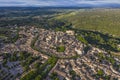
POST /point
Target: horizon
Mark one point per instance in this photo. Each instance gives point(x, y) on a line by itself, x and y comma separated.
point(57, 3)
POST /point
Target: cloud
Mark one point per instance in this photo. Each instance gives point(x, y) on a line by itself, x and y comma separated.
point(97, 1)
point(30, 2)
point(54, 2)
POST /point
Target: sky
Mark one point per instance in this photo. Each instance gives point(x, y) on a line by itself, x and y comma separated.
point(56, 2)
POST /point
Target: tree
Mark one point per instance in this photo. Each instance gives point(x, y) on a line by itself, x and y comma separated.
point(56, 78)
point(100, 73)
point(60, 48)
point(38, 77)
point(82, 39)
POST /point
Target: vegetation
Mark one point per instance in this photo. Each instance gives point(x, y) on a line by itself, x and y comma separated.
point(54, 76)
point(60, 48)
point(24, 57)
point(100, 73)
point(40, 17)
point(8, 35)
point(17, 56)
point(104, 20)
point(103, 41)
point(86, 49)
point(82, 39)
point(106, 58)
point(73, 73)
point(41, 71)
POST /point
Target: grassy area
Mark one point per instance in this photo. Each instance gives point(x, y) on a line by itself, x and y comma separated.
point(60, 48)
point(104, 20)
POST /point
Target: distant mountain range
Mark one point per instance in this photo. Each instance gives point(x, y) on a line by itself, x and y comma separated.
point(110, 5)
point(101, 5)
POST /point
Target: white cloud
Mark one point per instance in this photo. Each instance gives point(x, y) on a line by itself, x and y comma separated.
point(97, 1)
point(54, 2)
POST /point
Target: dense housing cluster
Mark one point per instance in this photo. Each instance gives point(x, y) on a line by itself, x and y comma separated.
point(59, 43)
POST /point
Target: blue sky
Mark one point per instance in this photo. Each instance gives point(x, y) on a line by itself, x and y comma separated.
point(55, 2)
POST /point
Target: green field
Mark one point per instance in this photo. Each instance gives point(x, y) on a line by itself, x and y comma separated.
point(103, 20)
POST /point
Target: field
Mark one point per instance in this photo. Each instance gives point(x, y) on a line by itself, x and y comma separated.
point(103, 20)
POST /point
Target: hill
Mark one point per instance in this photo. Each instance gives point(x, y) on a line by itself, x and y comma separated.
point(103, 20)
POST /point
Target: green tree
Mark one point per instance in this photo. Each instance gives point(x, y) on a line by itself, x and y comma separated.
point(38, 77)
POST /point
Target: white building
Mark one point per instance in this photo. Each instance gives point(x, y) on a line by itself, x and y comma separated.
point(70, 32)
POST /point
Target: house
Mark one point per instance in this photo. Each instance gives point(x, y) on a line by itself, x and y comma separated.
point(119, 46)
point(78, 51)
point(70, 32)
point(1, 58)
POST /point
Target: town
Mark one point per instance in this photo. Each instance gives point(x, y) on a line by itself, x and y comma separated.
point(60, 56)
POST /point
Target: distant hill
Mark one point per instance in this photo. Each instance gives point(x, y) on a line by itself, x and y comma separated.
point(104, 20)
